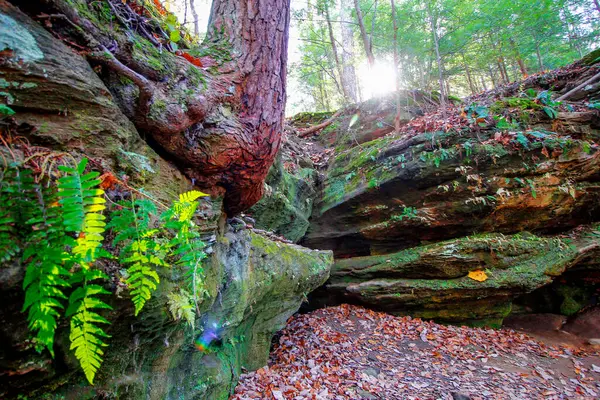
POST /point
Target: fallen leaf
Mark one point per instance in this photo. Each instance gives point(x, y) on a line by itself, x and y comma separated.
point(478, 275)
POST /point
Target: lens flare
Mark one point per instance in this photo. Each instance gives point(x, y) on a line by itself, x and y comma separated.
point(208, 337)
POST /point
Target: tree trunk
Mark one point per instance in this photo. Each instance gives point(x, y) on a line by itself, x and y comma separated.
point(597, 4)
point(468, 72)
point(348, 72)
point(219, 115)
point(517, 54)
point(334, 49)
point(539, 57)
point(367, 43)
point(433, 19)
point(396, 62)
point(195, 16)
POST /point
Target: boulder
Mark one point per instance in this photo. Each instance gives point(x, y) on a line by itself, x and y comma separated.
point(253, 286)
point(468, 280)
point(411, 215)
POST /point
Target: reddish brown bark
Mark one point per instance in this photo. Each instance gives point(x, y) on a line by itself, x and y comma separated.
point(225, 132)
point(238, 150)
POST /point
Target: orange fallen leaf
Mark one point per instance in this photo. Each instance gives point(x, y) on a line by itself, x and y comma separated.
point(478, 275)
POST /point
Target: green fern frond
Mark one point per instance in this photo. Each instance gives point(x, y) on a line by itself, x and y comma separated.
point(83, 203)
point(187, 248)
point(87, 337)
point(187, 204)
point(143, 280)
point(131, 218)
point(46, 272)
point(9, 243)
point(140, 252)
point(181, 306)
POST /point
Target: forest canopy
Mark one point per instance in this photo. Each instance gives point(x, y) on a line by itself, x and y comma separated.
point(351, 50)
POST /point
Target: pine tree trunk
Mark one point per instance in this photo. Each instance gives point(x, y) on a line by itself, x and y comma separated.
point(219, 116)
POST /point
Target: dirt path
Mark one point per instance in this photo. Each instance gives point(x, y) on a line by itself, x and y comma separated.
point(348, 352)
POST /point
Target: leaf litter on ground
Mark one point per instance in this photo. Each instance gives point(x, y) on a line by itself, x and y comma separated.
point(348, 352)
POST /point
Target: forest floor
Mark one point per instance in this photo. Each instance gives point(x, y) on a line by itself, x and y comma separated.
point(349, 352)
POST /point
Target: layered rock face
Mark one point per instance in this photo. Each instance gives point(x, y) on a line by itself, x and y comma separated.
point(253, 284)
point(507, 184)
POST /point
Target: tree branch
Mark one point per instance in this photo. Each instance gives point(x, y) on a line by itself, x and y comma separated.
point(322, 125)
point(579, 87)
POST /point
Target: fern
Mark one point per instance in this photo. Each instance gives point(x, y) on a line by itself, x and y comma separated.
point(187, 246)
point(140, 251)
point(9, 244)
point(87, 337)
point(82, 203)
point(46, 273)
point(181, 306)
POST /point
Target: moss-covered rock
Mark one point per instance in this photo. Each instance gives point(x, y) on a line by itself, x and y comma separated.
point(394, 193)
point(287, 203)
point(433, 281)
point(253, 285)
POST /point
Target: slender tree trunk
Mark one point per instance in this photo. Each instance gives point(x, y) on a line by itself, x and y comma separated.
point(517, 54)
point(597, 4)
point(468, 72)
point(373, 20)
point(502, 70)
point(433, 18)
point(492, 78)
point(539, 57)
point(363, 33)
point(195, 16)
point(483, 83)
point(396, 63)
point(334, 50)
point(348, 72)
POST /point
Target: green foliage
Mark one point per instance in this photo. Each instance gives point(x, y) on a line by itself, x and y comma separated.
point(139, 251)
point(186, 246)
point(6, 110)
point(60, 228)
point(481, 44)
point(9, 214)
point(47, 263)
point(181, 306)
point(407, 212)
point(87, 337)
point(82, 204)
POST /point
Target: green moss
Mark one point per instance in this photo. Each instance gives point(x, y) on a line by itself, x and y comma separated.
point(144, 51)
point(219, 51)
point(157, 109)
point(514, 102)
point(196, 77)
point(574, 298)
point(311, 118)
